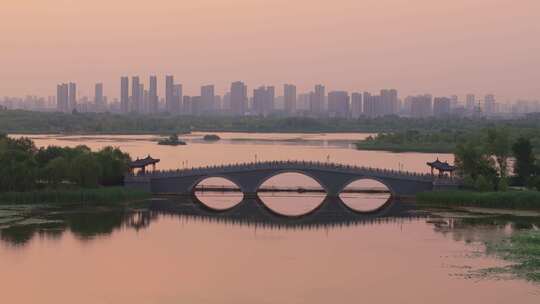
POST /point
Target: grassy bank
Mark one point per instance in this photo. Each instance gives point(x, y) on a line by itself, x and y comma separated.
point(105, 195)
point(411, 147)
point(523, 249)
point(502, 200)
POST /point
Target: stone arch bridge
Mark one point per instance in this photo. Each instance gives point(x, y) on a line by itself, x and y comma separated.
point(249, 177)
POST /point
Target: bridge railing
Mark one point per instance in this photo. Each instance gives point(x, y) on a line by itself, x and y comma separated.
point(288, 164)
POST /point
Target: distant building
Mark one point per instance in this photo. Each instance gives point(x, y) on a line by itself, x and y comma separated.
point(289, 95)
point(178, 92)
point(490, 107)
point(263, 100)
point(124, 94)
point(389, 103)
point(470, 102)
point(153, 99)
point(356, 105)
point(72, 96)
point(135, 94)
point(338, 104)
point(62, 98)
point(238, 98)
point(171, 101)
point(442, 106)
point(99, 99)
point(207, 99)
point(421, 106)
point(316, 102)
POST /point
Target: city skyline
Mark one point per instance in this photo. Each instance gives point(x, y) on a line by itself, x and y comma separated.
point(452, 47)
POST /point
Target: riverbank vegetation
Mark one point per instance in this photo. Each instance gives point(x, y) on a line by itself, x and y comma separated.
point(482, 162)
point(470, 198)
point(102, 195)
point(28, 173)
point(17, 121)
point(523, 250)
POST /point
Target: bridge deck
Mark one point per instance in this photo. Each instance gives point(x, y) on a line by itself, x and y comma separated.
point(288, 165)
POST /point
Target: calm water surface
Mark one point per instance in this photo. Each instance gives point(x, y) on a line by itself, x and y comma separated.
point(182, 252)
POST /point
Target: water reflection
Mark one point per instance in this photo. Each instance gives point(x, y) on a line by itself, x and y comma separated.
point(366, 195)
point(291, 194)
point(218, 194)
point(87, 225)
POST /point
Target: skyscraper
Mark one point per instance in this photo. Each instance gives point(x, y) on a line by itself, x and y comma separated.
point(171, 103)
point(62, 98)
point(389, 104)
point(421, 106)
point(490, 107)
point(135, 95)
point(72, 96)
point(289, 94)
point(238, 98)
point(441, 106)
point(124, 94)
point(99, 100)
point(263, 100)
point(316, 102)
point(177, 98)
point(470, 102)
point(338, 104)
point(356, 105)
point(207, 99)
point(153, 100)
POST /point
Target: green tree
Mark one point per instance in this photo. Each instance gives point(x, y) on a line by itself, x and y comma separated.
point(114, 164)
point(483, 184)
point(472, 159)
point(498, 144)
point(524, 165)
point(56, 171)
point(85, 170)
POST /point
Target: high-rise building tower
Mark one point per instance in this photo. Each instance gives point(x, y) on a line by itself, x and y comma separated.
point(170, 101)
point(135, 95)
point(490, 107)
point(207, 99)
point(289, 95)
point(470, 102)
point(124, 94)
point(72, 96)
point(153, 99)
point(316, 103)
point(263, 100)
point(62, 98)
point(238, 98)
point(338, 104)
point(356, 105)
point(99, 99)
point(442, 106)
point(178, 93)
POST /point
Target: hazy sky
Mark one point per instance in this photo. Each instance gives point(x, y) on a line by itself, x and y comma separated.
point(416, 46)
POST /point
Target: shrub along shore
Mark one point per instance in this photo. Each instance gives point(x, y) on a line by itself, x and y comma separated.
point(492, 199)
point(104, 195)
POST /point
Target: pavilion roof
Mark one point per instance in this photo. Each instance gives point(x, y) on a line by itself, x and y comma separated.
point(141, 163)
point(442, 166)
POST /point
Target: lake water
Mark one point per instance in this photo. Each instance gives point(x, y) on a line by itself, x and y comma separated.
point(180, 251)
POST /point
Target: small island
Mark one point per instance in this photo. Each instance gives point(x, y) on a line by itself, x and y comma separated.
point(211, 137)
point(172, 140)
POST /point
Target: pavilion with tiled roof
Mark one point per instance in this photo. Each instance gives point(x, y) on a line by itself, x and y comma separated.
point(442, 167)
point(143, 163)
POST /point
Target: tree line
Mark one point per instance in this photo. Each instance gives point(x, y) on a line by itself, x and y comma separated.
point(487, 160)
point(25, 167)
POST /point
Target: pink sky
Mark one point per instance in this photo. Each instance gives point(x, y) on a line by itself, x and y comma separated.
point(416, 46)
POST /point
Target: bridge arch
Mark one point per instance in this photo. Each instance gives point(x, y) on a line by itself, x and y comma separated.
point(379, 206)
point(372, 178)
point(217, 203)
point(297, 171)
point(198, 181)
